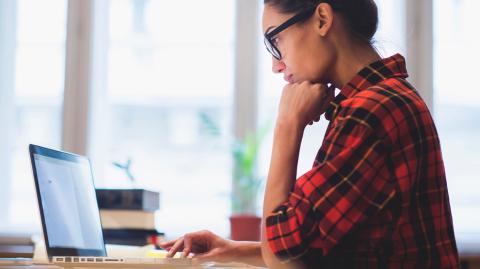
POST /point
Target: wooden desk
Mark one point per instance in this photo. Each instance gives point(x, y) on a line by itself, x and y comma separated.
point(16, 251)
point(58, 267)
point(30, 267)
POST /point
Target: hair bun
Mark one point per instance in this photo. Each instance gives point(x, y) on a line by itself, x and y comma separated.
point(362, 17)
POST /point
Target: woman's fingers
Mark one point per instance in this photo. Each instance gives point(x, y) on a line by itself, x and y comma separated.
point(178, 246)
point(197, 243)
point(187, 245)
point(168, 244)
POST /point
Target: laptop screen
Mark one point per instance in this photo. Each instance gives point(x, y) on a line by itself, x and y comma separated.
point(67, 203)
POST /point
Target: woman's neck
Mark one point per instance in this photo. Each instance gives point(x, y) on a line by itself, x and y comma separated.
point(350, 61)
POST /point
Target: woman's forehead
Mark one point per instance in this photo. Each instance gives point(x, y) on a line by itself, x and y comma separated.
point(272, 17)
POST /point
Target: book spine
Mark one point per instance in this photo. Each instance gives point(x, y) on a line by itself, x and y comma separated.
point(132, 236)
point(127, 219)
point(130, 199)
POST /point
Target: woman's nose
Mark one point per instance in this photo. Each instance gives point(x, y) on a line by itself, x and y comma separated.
point(277, 65)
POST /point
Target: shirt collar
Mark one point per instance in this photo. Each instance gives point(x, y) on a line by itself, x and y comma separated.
point(370, 75)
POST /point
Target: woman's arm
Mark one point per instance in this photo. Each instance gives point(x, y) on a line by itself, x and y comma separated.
point(281, 177)
point(301, 104)
point(249, 253)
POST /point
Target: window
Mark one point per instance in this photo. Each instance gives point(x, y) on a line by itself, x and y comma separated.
point(169, 89)
point(457, 107)
point(168, 92)
point(38, 45)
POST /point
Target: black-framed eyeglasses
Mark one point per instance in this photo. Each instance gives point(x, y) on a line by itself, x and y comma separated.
point(270, 35)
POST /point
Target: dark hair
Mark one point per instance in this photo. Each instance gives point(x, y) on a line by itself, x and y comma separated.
point(361, 15)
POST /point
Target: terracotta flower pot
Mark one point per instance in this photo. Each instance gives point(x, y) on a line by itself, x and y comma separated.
point(244, 227)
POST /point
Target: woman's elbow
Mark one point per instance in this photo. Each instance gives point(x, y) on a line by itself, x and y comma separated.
point(273, 262)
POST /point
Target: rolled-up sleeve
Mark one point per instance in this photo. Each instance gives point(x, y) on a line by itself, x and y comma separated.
point(350, 185)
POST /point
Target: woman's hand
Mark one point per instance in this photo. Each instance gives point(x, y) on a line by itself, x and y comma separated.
point(207, 246)
point(204, 245)
point(304, 102)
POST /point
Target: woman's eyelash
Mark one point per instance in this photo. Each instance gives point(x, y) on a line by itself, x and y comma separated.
point(275, 40)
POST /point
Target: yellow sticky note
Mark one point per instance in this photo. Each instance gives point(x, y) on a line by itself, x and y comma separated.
point(155, 253)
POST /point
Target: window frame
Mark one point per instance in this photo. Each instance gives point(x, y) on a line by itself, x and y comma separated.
point(8, 12)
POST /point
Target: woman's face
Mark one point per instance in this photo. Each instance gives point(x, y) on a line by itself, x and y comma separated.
point(306, 52)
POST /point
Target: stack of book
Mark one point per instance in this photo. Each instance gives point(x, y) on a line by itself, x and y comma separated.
point(128, 216)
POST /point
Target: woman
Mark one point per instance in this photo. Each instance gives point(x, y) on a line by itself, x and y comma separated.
point(376, 195)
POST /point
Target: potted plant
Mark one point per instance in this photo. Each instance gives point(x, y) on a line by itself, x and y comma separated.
point(246, 183)
point(126, 168)
point(244, 221)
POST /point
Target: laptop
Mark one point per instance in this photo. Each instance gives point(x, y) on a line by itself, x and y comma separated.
point(70, 216)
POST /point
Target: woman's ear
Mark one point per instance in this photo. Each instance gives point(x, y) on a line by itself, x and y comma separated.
point(324, 18)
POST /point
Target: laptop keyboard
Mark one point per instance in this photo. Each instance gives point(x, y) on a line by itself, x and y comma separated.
point(110, 260)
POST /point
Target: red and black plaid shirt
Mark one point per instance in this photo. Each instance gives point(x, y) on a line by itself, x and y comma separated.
point(376, 196)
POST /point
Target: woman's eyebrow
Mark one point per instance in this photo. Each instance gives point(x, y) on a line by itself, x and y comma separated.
point(268, 29)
